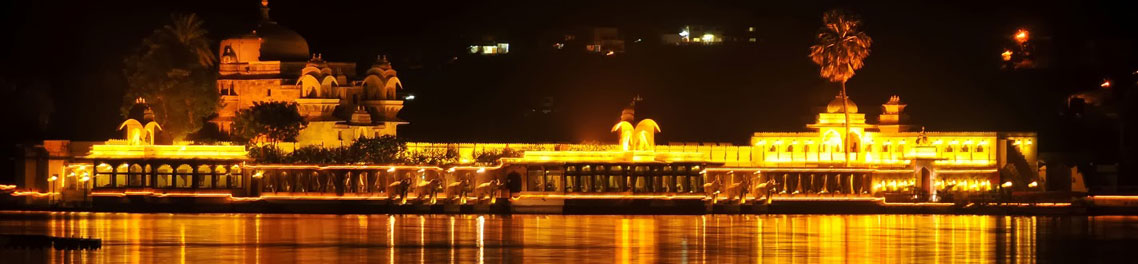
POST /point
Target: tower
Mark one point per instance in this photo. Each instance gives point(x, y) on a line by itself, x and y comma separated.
point(890, 119)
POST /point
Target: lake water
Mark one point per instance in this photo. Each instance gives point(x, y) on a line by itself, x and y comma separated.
point(273, 238)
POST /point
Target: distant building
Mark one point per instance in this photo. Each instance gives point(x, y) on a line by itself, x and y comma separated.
point(700, 35)
point(273, 63)
point(605, 40)
point(490, 48)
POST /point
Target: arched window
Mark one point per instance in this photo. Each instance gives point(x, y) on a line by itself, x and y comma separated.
point(235, 176)
point(121, 174)
point(103, 175)
point(222, 176)
point(183, 177)
point(790, 148)
point(165, 177)
point(884, 148)
point(135, 179)
point(773, 149)
point(980, 148)
point(948, 148)
point(964, 148)
point(205, 177)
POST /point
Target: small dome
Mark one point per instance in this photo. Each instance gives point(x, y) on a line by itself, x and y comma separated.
point(835, 105)
point(140, 111)
point(628, 114)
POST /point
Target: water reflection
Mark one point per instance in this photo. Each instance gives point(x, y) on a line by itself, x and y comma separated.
point(247, 238)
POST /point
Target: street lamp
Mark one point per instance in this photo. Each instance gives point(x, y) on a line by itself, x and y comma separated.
point(51, 188)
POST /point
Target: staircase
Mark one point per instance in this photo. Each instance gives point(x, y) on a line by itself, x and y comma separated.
point(1017, 170)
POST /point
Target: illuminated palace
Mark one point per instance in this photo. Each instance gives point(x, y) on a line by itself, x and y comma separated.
point(874, 163)
point(273, 63)
point(886, 159)
point(830, 160)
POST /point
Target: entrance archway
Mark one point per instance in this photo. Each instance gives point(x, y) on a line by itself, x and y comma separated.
point(926, 178)
point(514, 182)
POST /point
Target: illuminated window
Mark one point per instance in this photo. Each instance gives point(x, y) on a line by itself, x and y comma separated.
point(222, 176)
point(964, 148)
point(948, 148)
point(885, 148)
point(103, 175)
point(136, 176)
point(806, 148)
point(790, 148)
point(772, 149)
point(120, 178)
point(165, 176)
point(235, 170)
point(205, 177)
point(980, 148)
point(183, 177)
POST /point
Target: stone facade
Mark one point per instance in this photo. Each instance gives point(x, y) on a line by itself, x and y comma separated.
point(264, 66)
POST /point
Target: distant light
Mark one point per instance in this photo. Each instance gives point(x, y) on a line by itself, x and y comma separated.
point(1007, 55)
point(1033, 184)
point(409, 97)
point(610, 53)
point(1021, 36)
point(53, 178)
point(1007, 184)
point(708, 37)
point(1105, 84)
point(684, 33)
point(639, 40)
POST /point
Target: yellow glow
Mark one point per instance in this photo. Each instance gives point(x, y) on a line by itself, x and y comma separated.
point(223, 152)
point(607, 156)
point(1007, 55)
point(708, 37)
point(1021, 36)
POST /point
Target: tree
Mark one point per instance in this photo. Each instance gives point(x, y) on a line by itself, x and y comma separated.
point(173, 70)
point(840, 50)
point(270, 122)
point(380, 150)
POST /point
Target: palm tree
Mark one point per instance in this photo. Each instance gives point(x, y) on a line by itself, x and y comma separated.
point(840, 50)
point(187, 30)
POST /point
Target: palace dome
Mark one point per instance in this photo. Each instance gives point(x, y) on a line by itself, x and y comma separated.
point(835, 105)
point(279, 43)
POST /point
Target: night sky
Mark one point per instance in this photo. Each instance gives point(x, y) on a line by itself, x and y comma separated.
point(65, 59)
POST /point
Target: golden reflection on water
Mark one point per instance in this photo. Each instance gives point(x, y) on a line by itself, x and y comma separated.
point(250, 238)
